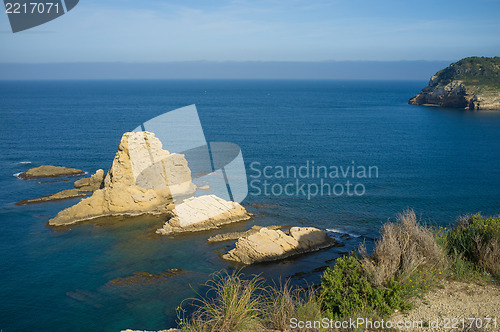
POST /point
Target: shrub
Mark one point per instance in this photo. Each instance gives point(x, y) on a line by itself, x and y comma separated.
point(347, 292)
point(236, 305)
point(477, 240)
point(462, 269)
point(404, 246)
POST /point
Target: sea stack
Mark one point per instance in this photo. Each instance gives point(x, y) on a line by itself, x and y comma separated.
point(144, 179)
point(141, 181)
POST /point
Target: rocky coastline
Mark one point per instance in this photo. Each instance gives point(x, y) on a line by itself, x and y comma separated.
point(472, 83)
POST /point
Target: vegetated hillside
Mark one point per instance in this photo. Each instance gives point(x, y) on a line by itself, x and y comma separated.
point(473, 71)
point(471, 83)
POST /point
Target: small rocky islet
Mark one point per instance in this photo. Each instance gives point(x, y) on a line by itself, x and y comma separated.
point(145, 179)
point(82, 188)
point(472, 83)
point(49, 171)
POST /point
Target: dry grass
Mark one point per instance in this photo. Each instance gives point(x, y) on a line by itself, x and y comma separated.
point(234, 305)
point(286, 303)
point(404, 246)
point(476, 240)
point(237, 304)
point(489, 255)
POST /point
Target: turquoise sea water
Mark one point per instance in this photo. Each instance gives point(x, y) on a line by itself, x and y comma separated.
point(440, 162)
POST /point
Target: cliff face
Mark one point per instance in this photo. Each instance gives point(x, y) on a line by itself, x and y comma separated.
point(472, 83)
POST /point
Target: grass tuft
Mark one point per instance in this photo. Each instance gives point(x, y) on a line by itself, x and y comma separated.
point(403, 248)
point(476, 239)
point(234, 305)
point(286, 303)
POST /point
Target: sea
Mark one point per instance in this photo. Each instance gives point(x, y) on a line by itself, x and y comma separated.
point(440, 162)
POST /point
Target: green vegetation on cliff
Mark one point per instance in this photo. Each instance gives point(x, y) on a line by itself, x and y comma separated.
point(473, 71)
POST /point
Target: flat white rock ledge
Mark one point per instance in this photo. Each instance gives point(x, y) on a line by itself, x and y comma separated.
point(274, 244)
point(202, 213)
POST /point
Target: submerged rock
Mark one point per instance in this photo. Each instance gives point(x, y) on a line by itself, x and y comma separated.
point(270, 245)
point(48, 171)
point(141, 181)
point(145, 277)
point(203, 213)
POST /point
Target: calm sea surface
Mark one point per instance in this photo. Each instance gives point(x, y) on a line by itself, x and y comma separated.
point(440, 162)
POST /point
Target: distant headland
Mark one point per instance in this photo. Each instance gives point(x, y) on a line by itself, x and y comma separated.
point(472, 83)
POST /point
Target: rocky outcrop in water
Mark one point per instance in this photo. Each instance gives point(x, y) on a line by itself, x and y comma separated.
point(141, 180)
point(145, 277)
point(94, 182)
point(231, 236)
point(82, 189)
point(471, 83)
point(65, 194)
point(270, 245)
point(49, 171)
point(203, 213)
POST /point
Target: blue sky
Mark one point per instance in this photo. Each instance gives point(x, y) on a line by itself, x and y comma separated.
point(255, 30)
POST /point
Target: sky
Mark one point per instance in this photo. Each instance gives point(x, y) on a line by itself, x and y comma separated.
point(149, 31)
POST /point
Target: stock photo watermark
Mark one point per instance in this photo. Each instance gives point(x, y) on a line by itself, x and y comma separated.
point(310, 179)
point(26, 14)
point(474, 323)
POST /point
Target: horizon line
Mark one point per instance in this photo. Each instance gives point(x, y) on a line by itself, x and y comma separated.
point(353, 69)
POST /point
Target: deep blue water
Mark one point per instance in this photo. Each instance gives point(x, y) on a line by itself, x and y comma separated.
point(440, 162)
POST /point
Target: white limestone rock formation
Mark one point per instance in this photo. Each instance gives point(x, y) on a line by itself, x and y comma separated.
point(141, 180)
point(274, 244)
point(203, 213)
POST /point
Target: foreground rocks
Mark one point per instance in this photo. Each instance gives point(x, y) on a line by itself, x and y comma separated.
point(141, 181)
point(270, 245)
point(472, 83)
point(203, 213)
point(48, 171)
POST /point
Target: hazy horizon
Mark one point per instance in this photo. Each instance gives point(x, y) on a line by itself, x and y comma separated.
point(355, 70)
point(259, 30)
